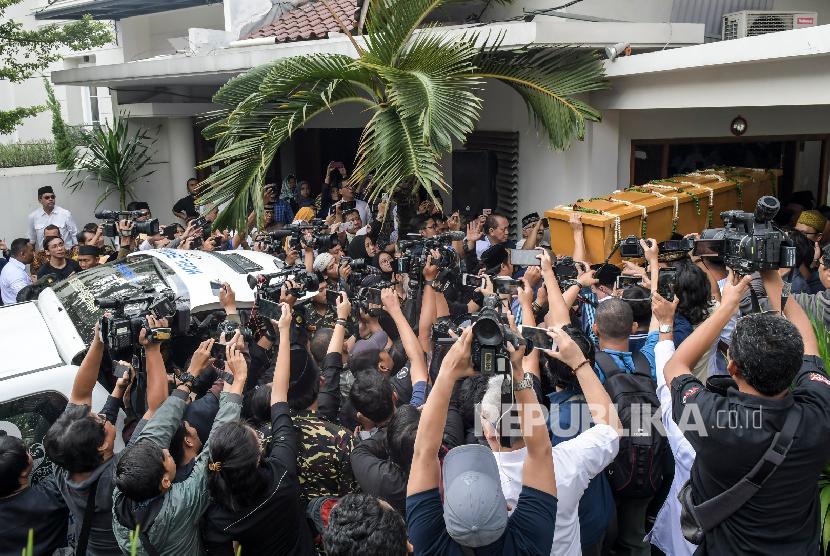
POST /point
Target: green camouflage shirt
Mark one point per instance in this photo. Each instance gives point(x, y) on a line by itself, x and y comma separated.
point(324, 461)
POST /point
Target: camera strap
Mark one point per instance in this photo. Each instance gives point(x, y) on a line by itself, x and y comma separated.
point(756, 304)
point(86, 524)
point(714, 511)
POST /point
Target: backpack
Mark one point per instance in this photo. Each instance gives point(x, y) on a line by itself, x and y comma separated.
point(637, 471)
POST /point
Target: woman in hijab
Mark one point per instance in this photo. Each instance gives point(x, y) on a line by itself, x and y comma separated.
point(286, 206)
point(303, 197)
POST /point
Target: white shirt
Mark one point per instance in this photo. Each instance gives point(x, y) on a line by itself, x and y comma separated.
point(666, 534)
point(60, 217)
point(13, 278)
point(576, 461)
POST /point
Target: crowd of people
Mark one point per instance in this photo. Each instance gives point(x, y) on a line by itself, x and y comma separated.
point(614, 413)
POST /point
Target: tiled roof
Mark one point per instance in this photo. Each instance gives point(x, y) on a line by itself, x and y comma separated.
point(310, 21)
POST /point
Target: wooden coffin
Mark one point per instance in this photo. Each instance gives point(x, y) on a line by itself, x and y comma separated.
point(684, 204)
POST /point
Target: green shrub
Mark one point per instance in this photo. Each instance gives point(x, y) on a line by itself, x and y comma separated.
point(35, 153)
point(64, 149)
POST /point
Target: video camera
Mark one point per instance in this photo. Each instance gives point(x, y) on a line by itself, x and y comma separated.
point(121, 328)
point(367, 299)
point(112, 217)
point(320, 240)
point(491, 332)
point(304, 286)
point(414, 252)
point(749, 242)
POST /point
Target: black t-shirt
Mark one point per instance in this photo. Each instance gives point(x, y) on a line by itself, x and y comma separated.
point(40, 507)
point(731, 433)
point(529, 530)
point(186, 205)
point(70, 268)
point(276, 523)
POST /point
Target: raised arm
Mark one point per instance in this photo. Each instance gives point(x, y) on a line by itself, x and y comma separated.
point(537, 471)
point(428, 307)
point(425, 472)
point(157, 388)
point(558, 311)
point(417, 360)
point(692, 349)
point(533, 237)
point(580, 252)
point(282, 372)
point(88, 371)
point(774, 285)
point(525, 294)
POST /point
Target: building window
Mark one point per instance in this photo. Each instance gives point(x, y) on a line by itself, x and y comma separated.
point(93, 106)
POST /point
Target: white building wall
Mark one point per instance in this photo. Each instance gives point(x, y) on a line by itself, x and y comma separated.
point(146, 36)
point(653, 11)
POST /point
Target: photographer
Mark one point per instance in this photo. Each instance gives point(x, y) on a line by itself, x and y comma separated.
point(474, 511)
point(255, 495)
point(81, 443)
point(146, 496)
point(768, 353)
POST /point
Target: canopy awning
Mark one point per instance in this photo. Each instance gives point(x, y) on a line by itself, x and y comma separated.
point(113, 9)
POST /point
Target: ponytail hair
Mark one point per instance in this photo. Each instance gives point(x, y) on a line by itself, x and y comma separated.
point(233, 469)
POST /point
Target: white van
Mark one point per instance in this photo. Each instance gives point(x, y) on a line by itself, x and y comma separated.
point(42, 342)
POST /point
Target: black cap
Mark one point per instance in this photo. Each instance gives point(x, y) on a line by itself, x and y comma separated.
point(530, 219)
point(89, 250)
point(494, 256)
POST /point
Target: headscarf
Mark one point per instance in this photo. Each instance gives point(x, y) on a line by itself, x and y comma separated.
point(357, 248)
point(286, 193)
point(305, 214)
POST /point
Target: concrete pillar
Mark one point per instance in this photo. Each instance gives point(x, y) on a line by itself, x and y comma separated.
point(182, 154)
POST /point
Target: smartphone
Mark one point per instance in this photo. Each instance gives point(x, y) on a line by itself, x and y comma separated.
point(486, 212)
point(332, 297)
point(346, 226)
point(472, 280)
point(623, 282)
point(538, 338)
point(346, 206)
point(217, 351)
point(525, 257)
point(506, 285)
point(119, 368)
point(708, 248)
point(268, 309)
point(215, 287)
point(665, 283)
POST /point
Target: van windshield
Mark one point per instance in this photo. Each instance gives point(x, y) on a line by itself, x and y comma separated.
point(122, 279)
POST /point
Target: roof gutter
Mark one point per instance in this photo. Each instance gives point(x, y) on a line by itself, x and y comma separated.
point(253, 42)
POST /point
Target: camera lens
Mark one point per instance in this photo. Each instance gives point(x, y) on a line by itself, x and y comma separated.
point(487, 331)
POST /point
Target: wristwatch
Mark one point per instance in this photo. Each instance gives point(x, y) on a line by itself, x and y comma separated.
point(525, 384)
point(188, 380)
point(665, 329)
point(429, 283)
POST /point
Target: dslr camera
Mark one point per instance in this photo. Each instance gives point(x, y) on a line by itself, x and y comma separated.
point(121, 328)
point(112, 217)
point(630, 248)
point(750, 242)
point(491, 332)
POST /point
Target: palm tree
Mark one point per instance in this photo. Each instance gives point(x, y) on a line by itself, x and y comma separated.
point(419, 87)
point(115, 159)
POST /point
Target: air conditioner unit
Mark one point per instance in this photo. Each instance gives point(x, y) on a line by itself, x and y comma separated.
point(748, 23)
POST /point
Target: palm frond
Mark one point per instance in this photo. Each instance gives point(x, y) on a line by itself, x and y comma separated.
point(115, 159)
point(390, 25)
point(392, 152)
point(433, 85)
point(548, 80)
point(248, 134)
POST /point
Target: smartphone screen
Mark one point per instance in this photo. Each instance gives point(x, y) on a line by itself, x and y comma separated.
point(538, 337)
point(215, 287)
point(626, 282)
point(665, 283)
point(506, 286)
point(486, 212)
point(525, 257)
point(472, 280)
